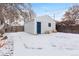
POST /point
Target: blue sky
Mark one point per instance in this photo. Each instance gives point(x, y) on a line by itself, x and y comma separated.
point(50, 9)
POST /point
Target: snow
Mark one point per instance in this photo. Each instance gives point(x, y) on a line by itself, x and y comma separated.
point(25, 44)
point(7, 50)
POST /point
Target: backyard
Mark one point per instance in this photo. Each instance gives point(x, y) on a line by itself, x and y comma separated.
point(24, 44)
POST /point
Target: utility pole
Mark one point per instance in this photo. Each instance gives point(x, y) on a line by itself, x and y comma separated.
point(54, 16)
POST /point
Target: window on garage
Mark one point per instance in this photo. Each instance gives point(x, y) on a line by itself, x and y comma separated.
point(49, 24)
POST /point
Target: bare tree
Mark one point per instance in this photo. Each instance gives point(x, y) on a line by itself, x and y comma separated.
point(71, 15)
point(11, 12)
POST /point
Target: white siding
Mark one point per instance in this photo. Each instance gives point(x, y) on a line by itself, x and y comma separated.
point(44, 23)
point(29, 27)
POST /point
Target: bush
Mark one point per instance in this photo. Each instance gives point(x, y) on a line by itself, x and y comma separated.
point(47, 32)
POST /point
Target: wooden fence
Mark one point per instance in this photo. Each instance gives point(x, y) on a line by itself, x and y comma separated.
point(67, 28)
point(14, 29)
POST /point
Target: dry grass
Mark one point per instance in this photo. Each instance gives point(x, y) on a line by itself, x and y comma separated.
point(2, 43)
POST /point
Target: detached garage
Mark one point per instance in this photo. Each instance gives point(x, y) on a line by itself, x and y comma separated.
point(40, 25)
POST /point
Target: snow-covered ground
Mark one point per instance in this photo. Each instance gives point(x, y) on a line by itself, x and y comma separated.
point(44, 44)
point(7, 50)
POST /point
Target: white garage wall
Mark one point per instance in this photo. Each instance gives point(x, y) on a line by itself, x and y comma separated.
point(44, 23)
point(29, 27)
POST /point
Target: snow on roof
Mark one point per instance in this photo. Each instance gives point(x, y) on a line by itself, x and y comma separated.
point(15, 24)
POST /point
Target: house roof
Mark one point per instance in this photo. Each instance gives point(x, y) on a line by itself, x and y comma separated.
point(15, 24)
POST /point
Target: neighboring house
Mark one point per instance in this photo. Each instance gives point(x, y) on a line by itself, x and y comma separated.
point(14, 27)
point(39, 25)
point(77, 21)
